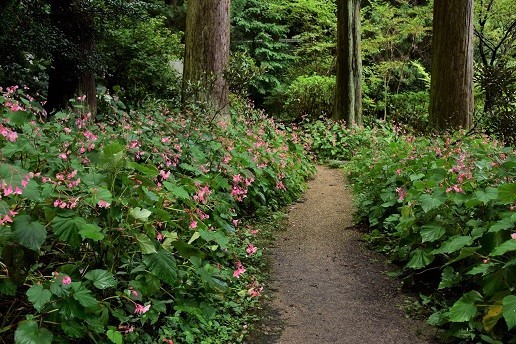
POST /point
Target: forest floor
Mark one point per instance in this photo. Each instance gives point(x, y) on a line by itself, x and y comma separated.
point(326, 285)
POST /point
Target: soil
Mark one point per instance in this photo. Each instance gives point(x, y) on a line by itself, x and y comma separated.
point(326, 285)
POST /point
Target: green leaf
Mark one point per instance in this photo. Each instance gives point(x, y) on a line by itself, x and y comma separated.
point(480, 269)
point(464, 309)
point(67, 229)
point(420, 259)
point(145, 243)
point(140, 214)
point(503, 224)
point(149, 170)
point(429, 202)
point(98, 194)
point(177, 191)
point(486, 196)
point(493, 314)
point(509, 245)
point(28, 332)
point(114, 336)
point(73, 329)
point(448, 278)
point(91, 231)
point(431, 233)
point(83, 295)
point(507, 193)
point(453, 244)
point(163, 265)
point(509, 311)
point(102, 279)
point(28, 233)
point(38, 296)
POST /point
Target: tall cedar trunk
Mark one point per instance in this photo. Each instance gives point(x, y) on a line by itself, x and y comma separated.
point(348, 96)
point(451, 87)
point(71, 71)
point(207, 54)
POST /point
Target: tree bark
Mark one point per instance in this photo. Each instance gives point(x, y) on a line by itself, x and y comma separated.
point(207, 38)
point(451, 86)
point(348, 94)
point(71, 72)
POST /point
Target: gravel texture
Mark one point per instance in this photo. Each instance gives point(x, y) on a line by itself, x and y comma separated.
point(327, 287)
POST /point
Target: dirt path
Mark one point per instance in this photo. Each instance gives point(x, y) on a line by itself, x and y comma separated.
point(327, 288)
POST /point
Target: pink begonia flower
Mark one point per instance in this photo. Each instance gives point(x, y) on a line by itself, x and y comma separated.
point(103, 204)
point(254, 292)
point(239, 270)
point(251, 249)
point(66, 280)
point(134, 293)
point(193, 224)
point(168, 341)
point(401, 193)
point(485, 261)
point(513, 235)
point(140, 309)
point(159, 236)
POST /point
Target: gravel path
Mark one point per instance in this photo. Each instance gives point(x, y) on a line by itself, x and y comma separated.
point(327, 287)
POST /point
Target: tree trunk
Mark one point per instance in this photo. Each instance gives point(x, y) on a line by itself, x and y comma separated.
point(71, 72)
point(207, 54)
point(348, 96)
point(451, 87)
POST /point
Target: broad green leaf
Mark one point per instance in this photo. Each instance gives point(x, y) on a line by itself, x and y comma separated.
point(83, 295)
point(186, 251)
point(429, 202)
point(503, 224)
point(140, 214)
point(509, 245)
point(147, 169)
point(494, 313)
point(38, 296)
point(67, 229)
point(102, 279)
point(145, 243)
point(480, 269)
point(453, 244)
point(487, 195)
point(98, 194)
point(91, 231)
point(115, 336)
point(431, 233)
point(464, 253)
point(177, 191)
point(73, 329)
point(194, 237)
point(420, 259)
point(163, 265)
point(465, 309)
point(509, 311)
point(28, 332)
point(507, 193)
point(7, 287)
point(448, 278)
point(28, 233)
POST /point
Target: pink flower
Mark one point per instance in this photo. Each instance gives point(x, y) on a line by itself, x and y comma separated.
point(485, 261)
point(398, 172)
point(140, 309)
point(159, 236)
point(239, 270)
point(103, 204)
point(513, 236)
point(134, 293)
point(251, 249)
point(193, 224)
point(401, 193)
point(168, 341)
point(66, 280)
point(63, 156)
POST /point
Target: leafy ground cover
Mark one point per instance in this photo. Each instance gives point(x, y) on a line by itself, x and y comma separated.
point(132, 227)
point(443, 208)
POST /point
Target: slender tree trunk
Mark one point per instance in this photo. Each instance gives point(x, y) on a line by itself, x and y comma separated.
point(451, 87)
point(71, 71)
point(348, 96)
point(207, 39)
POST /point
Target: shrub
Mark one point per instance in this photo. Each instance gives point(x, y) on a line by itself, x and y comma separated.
point(309, 97)
point(130, 229)
point(444, 209)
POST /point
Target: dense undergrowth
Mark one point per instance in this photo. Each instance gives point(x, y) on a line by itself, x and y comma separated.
point(444, 209)
point(130, 228)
